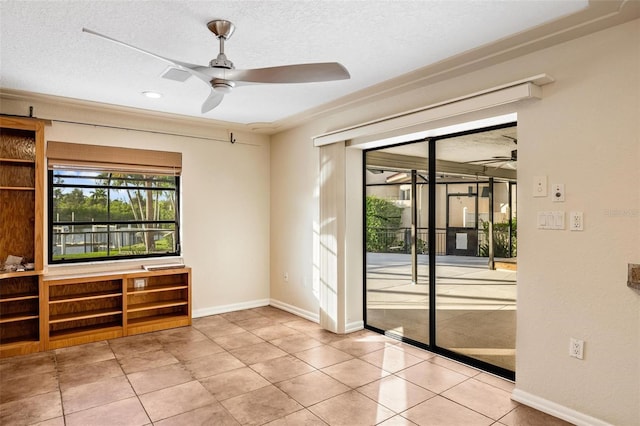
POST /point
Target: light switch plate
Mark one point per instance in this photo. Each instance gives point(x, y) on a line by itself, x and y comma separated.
point(539, 186)
point(557, 192)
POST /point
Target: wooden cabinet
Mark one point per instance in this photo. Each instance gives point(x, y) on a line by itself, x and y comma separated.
point(87, 308)
point(21, 201)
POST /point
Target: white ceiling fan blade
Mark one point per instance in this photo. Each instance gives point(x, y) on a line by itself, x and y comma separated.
point(300, 73)
point(212, 101)
point(182, 65)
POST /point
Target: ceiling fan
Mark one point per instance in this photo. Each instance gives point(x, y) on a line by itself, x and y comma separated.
point(507, 161)
point(221, 75)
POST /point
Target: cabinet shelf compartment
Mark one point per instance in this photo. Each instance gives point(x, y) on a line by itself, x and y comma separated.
point(82, 311)
point(20, 175)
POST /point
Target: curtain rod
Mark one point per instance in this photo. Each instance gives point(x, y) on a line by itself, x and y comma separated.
point(231, 139)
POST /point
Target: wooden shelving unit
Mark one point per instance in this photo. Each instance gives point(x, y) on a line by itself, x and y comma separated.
point(86, 308)
point(21, 228)
point(82, 309)
point(163, 302)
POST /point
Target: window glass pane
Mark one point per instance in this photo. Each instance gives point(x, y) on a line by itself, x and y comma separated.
point(105, 215)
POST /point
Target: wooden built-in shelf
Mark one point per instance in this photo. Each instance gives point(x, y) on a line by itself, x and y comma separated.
point(75, 316)
point(88, 307)
point(156, 305)
point(18, 188)
point(5, 319)
point(84, 296)
point(17, 160)
point(18, 296)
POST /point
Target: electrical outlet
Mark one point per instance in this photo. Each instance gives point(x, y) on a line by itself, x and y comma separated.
point(576, 221)
point(576, 348)
point(139, 283)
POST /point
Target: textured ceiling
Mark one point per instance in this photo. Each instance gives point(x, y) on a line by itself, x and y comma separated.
point(43, 50)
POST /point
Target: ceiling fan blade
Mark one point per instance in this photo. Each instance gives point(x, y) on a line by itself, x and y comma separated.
point(300, 73)
point(212, 101)
point(191, 68)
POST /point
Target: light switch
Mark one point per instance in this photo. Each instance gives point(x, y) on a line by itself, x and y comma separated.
point(539, 186)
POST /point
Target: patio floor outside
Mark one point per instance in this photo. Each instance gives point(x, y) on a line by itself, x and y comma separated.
point(476, 306)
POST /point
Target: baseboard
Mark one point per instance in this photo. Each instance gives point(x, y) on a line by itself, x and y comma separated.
point(354, 326)
point(223, 309)
point(556, 410)
point(311, 316)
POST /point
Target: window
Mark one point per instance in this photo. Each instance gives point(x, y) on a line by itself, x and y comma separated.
point(111, 210)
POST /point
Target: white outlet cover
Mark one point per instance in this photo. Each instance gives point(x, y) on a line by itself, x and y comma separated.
point(539, 186)
point(557, 192)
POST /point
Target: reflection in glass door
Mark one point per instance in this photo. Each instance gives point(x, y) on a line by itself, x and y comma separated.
point(440, 236)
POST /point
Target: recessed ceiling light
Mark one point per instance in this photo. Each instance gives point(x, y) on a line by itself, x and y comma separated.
point(152, 95)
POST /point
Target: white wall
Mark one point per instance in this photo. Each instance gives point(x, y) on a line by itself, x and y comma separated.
point(225, 196)
point(583, 133)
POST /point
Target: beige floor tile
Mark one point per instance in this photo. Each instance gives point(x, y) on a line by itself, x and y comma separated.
point(357, 346)
point(303, 325)
point(31, 410)
point(282, 368)
point(233, 383)
point(527, 416)
point(179, 335)
point(278, 315)
point(505, 385)
point(391, 359)
point(185, 351)
point(483, 398)
point(323, 356)
point(159, 378)
point(95, 394)
point(312, 388)
point(26, 386)
point(75, 375)
point(432, 377)
point(133, 345)
point(274, 332)
point(296, 343)
point(395, 393)
point(352, 409)
point(212, 414)
point(324, 336)
point(414, 351)
point(176, 400)
point(127, 412)
point(254, 323)
point(244, 314)
point(209, 321)
point(238, 340)
point(261, 406)
point(439, 411)
point(355, 372)
point(84, 354)
point(397, 421)
point(455, 366)
point(212, 364)
point(257, 353)
point(147, 361)
point(57, 421)
point(299, 418)
point(18, 366)
point(224, 329)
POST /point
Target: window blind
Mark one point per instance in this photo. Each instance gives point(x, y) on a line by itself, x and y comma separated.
point(83, 156)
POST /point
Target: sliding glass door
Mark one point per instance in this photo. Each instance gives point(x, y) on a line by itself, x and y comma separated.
point(440, 245)
point(396, 220)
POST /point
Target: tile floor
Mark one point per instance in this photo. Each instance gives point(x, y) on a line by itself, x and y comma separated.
point(253, 367)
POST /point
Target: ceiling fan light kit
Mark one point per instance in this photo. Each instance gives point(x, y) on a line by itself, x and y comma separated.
point(221, 76)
